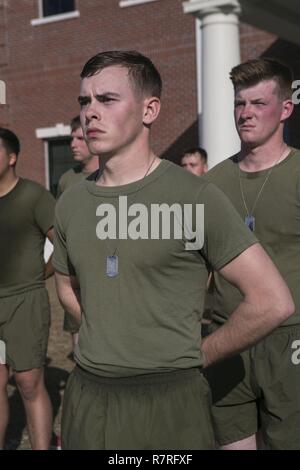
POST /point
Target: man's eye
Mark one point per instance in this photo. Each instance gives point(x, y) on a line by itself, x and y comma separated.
point(106, 99)
point(82, 103)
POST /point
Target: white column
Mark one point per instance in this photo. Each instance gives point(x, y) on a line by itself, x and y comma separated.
point(220, 51)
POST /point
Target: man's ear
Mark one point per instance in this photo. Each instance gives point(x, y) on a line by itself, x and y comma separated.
point(287, 109)
point(12, 159)
point(151, 110)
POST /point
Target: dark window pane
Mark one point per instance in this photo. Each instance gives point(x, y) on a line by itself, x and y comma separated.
point(55, 7)
point(60, 160)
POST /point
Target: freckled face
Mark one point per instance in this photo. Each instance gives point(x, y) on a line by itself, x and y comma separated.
point(258, 112)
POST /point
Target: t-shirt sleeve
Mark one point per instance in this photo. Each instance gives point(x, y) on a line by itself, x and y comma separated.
point(225, 234)
point(59, 190)
point(61, 261)
point(61, 185)
point(44, 211)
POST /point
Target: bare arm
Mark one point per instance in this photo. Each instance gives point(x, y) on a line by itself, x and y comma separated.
point(49, 269)
point(267, 303)
point(68, 292)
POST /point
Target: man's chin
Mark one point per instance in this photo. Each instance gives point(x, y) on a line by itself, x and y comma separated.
point(94, 149)
point(246, 138)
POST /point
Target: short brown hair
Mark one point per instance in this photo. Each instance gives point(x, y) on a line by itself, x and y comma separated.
point(75, 123)
point(10, 141)
point(143, 74)
point(201, 151)
point(254, 71)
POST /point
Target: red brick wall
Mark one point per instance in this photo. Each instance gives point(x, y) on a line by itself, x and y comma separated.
point(41, 66)
point(44, 63)
point(254, 42)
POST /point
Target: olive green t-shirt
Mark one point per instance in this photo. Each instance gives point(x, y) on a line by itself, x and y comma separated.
point(26, 215)
point(277, 223)
point(71, 177)
point(147, 318)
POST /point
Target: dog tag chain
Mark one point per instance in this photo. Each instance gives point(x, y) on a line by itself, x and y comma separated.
point(112, 261)
point(250, 219)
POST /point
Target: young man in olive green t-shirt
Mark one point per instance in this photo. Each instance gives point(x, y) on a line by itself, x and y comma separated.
point(132, 273)
point(87, 164)
point(26, 218)
point(262, 387)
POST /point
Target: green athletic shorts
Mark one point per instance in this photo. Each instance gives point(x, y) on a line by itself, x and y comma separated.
point(70, 324)
point(24, 328)
point(157, 411)
point(260, 389)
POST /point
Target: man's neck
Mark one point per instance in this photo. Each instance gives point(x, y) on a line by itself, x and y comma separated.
point(91, 165)
point(8, 182)
point(118, 170)
point(262, 157)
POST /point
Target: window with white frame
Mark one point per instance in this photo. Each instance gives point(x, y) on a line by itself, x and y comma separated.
point(56, 7)
point(131, 3)
point(58, 154)
point(55, 10)
point(60, 160)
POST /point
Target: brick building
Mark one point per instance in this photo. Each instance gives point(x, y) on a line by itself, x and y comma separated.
point(44, 44)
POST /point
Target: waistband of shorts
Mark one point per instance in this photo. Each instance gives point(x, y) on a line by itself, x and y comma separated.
point(145, 379)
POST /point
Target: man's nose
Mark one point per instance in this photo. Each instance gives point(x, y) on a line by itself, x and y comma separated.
point(247, 111)
point(73, 144)
point(92, 111)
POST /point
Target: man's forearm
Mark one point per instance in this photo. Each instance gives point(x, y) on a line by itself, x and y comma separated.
point(71, 305)
point(244, 328)
point(48, 269)
point(69, 298)
point(267, 303)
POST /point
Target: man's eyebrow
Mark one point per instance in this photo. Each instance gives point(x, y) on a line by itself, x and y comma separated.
point(83, 98)
point(252, 100)
point(108, 94)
